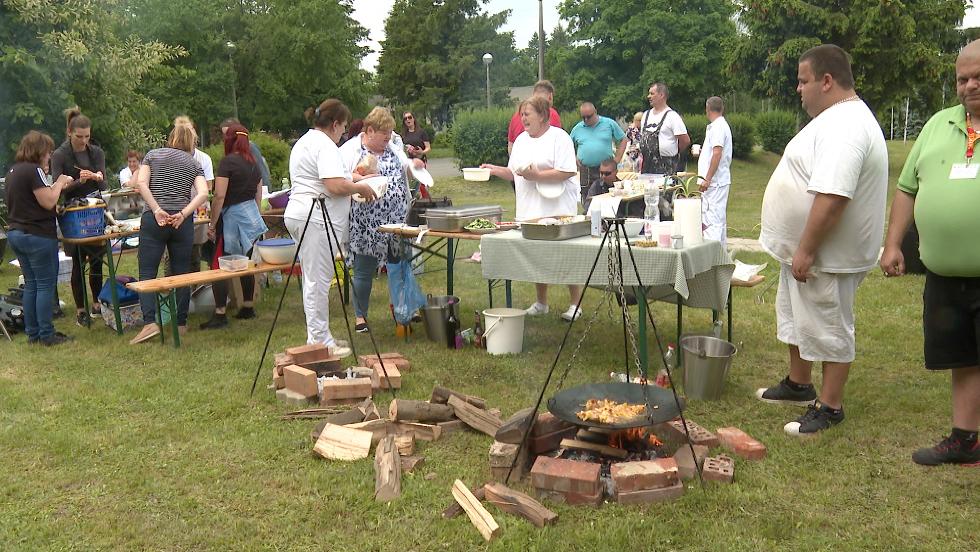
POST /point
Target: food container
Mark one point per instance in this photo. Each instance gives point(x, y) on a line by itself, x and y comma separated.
point(277, 250)
point(233, 263)
point(82, 222)
point(279, 199)
point(532, 230)
point(453, 219)
point(476, 174)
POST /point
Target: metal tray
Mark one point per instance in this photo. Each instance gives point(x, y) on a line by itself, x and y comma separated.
point(453, 219)
point(556, 232)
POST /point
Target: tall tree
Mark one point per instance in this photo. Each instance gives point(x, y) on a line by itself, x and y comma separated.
point(618, 47)
point(432, 54)
point(896, 47)
point(53, 54)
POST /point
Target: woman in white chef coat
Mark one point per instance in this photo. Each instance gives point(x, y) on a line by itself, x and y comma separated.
point(542, 166)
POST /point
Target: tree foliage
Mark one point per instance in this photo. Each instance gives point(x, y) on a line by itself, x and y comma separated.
point(895, 45)
point(613, 50)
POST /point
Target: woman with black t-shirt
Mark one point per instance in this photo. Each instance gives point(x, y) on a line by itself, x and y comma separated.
point(235, 219)
point(33, 234)
point(417, 141)
point(84, 162)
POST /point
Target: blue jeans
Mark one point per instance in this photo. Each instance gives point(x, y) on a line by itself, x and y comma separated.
point(38, 258)
point(365, 267)
point(178, 242)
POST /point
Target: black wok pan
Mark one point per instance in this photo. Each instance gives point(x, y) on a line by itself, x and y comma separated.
point(661, 408)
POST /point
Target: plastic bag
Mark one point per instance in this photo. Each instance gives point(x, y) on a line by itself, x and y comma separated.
point(406, 296)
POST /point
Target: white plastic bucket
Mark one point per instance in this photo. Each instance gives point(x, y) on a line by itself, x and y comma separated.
point(504, 333)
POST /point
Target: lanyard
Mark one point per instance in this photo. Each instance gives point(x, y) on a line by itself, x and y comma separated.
point(971, 138)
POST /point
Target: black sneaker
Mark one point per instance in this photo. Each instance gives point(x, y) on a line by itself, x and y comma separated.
point(949, 451)
point(245, 313)
point(217, 321)
point(784, 393)
point(816, 419)
point(83, 319)
point(57, 339)
point(361, 327)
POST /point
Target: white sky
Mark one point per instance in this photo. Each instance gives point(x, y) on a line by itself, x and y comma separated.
point(523, 21)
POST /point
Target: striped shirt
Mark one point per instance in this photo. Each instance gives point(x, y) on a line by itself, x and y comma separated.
point(172, 174)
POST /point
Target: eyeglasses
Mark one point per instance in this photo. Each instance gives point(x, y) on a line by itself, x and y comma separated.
point(407, 117)
point(606, 173)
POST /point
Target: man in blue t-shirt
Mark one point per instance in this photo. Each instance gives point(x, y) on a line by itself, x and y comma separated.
point(594, 137)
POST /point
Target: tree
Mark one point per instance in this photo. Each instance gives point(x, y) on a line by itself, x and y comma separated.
point(618, 47)
point(431, 57)
point(54, 54)
point(896, 46)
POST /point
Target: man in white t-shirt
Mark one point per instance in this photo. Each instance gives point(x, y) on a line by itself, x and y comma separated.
point(132, 166)
point(714, 166)
point(663, 134)
point(823, 217)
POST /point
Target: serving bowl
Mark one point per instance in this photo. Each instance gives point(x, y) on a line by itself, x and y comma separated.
point(277, 250)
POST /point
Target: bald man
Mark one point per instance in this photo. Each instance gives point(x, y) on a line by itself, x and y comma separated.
point(939, 187)
point(594, 137)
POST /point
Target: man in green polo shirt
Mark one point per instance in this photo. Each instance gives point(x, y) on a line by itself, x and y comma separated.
point(939, 187)
point(594, 137)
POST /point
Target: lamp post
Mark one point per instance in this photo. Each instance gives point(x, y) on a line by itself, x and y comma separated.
point(234, 95)
point(540, 39)
point(487, 60)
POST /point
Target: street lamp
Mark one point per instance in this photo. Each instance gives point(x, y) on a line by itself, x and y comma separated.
point(234, 95)
point(487, 60)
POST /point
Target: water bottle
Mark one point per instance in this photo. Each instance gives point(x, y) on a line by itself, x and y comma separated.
point(651, 211)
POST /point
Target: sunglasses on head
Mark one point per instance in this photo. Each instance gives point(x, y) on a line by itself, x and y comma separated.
point(407, 117)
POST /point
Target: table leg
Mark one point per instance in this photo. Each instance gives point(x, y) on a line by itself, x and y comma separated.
point(160, 300)
point(508, 295)
point(77, 258)
point(680, 327)
point(172, 301)
point(730, 315)
point(450, 259)
point(490, 291)
point(642, 333)
point(111, 264)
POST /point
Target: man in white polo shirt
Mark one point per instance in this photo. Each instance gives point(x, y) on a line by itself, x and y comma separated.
point(823, 217)
point(714, 164)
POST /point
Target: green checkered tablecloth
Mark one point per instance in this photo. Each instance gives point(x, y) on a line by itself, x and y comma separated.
point(700, 274)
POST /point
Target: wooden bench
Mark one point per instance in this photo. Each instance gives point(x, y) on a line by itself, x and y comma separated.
point(166, 288)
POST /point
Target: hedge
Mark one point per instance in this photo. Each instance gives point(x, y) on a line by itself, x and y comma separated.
point(696, 125)
point(480, 136)
point(743, 135)
point(776, 129)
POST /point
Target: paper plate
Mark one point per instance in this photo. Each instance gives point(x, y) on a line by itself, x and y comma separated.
point(551, 190)
point(377, 183)
point(421, 175)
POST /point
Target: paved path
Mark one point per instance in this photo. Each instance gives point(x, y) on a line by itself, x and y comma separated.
point(443, 168)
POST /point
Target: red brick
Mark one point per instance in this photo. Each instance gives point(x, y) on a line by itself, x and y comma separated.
point(300, 380)
point(674, 431)
point(686, 466)
point(353, 388)
point(282, 360)
point(741, 443)
point(719, 468)
point(567, 476)
point(396, 359)
point(550, 441)
point(278, 381)
point(671, 492)
point(379, 381)
point(573, 499)
point(646, 474)
point(304, 354)
point(547, 424)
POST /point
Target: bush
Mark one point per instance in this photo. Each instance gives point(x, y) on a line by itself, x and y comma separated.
point(743, 135)
point(696, 125)
point(776, 129)
point(274, 150)
point(480, 136)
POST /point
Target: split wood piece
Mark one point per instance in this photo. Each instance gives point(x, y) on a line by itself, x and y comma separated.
point(343, 443)
point(387, 471)
point(590, 436)
point(455, 509)
point(594, 447)
point(390, 378)
point(409, 463)
point(452, 425)
point(314, 413)
point(370, 410)
point(478, 419)
point(512, 431)
point(406, 410)
point(520, 504)
point(422, 432)
point(479, 516)
point(405, 443)
point(378, 429)
point(441, 395)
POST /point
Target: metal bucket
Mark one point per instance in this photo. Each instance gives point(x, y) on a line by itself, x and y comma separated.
point(706, 364)
point(435, 314)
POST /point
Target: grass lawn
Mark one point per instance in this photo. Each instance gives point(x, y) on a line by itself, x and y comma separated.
point(105, 446)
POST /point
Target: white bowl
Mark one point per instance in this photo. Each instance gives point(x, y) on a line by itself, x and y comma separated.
point(551, 190)
point(634, 226)
point(277, 251)
point(377, 183)
point(476, 174)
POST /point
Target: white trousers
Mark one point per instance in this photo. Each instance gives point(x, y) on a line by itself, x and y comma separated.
point(318, 270)
point(714, 207)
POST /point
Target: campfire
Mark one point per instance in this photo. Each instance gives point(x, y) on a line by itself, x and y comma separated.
point(635, 439)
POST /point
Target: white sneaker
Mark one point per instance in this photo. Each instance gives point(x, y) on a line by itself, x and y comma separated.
point(340, 343)
point(571, 314)
point(537, 309)
point(340, 352)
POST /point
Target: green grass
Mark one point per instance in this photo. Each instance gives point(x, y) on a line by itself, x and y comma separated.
point(111, 447)
point(438, 152)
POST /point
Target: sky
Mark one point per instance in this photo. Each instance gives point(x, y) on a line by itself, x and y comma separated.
point(523, 21)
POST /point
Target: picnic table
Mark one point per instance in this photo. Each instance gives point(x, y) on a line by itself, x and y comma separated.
point(698, 276)
point(166, 287)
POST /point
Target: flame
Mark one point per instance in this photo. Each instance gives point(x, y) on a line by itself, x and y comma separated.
point(621, 439)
